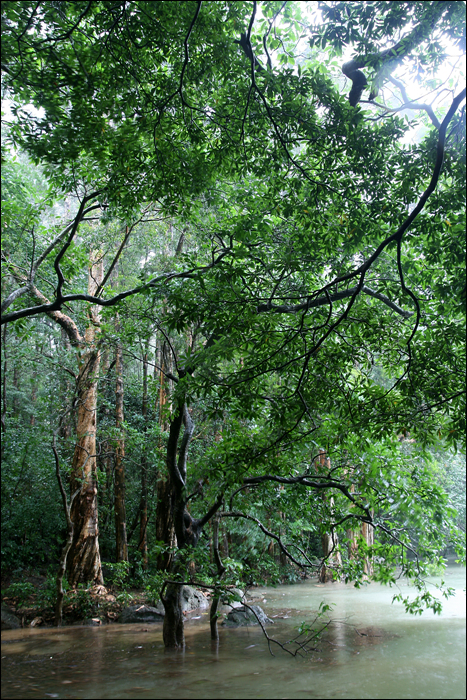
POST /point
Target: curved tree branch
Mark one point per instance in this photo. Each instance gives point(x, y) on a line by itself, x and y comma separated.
point(56, 305)
point(397, 235)
point(74, 228)
point(34, 267)
point(239, 514)
point(330, 298)
point(410, 104)
point(386, 61)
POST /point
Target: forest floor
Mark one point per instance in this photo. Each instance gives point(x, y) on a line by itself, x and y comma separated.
point(32, 600)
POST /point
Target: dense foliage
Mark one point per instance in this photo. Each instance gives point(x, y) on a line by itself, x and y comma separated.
point(282, 273)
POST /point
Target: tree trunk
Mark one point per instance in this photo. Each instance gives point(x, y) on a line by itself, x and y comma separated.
point(367, 532)
point(165, 531)
point(4, 374)
point(173, 508)
point(66, 390)
point(66, 547)
point(172, 631)
point(105, 456)
point(121, 547)
point(213, 615)
point(282, 556)
point(15, 390)
point(329, 540)
point(187, 528)
point(331, 554)
point(143, 509)
point(165, 496)
point(32, 420)
point(83, 561)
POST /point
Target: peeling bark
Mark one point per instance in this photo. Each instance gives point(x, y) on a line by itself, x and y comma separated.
point(83, 561)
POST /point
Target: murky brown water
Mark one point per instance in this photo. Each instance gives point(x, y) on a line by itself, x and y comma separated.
point(397, 657)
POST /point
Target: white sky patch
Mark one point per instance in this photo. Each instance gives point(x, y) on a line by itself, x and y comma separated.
point(448, 79)
point(144, 261)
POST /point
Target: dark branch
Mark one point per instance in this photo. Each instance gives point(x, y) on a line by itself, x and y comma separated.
point(323, 301)
point(65, 299)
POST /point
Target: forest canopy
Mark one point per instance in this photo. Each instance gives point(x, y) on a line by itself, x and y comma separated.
point(233, 293)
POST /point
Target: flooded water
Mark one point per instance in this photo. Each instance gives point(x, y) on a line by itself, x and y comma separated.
point(422, 657)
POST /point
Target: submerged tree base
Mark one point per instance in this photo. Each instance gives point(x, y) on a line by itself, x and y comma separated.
point(172, 632)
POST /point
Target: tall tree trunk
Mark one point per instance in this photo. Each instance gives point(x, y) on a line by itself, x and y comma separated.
point(143, 524)
point(165, 531)
point(83, 561)
point(65, 430)
point(213, 616)
point(368, 534)
point(187, 528)
point(329, 540)
point(32, 419)
point(366, 531)
point(165, 497)
point(331, 553)
point(66, 547)
point(121, 547)
point(172, 630)
point(106, 454)
point(15, 390)
point(4, 372)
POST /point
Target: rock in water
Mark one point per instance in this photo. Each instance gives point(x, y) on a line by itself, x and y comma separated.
point(9, 620)
point(140, 613)
point(193, 599)
point(243, 617)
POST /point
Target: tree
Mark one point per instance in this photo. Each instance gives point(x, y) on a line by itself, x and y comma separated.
point(327, 251)
point(120, 512)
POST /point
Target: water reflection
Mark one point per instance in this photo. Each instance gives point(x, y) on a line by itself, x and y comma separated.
point(393, 656)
